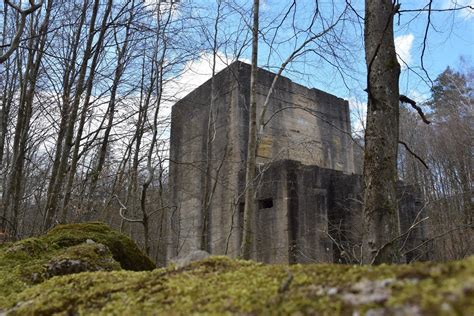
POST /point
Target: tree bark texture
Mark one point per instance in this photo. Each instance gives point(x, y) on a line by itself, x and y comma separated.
point(381, 136)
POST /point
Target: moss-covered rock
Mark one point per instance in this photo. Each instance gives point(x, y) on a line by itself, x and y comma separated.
point(81, 258)
point(219, 285)
point(66, 249)
point(123, 249)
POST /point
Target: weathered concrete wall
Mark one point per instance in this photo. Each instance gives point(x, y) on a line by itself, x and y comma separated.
point(189, 126)
point(305, 125)
point(316, 215)
point(309, 202)
point(308, 199)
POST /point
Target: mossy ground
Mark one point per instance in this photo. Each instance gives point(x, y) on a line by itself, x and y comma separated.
point(30, 261)
point(219, 285)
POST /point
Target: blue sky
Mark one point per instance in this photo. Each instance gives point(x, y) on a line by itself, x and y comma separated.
point(450, 36)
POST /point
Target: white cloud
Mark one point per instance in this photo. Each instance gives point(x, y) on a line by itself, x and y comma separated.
point(465, 13)
point(195, 73)
point(163, 7)
point(403, 45)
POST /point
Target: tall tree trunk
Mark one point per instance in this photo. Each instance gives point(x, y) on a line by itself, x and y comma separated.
point(85, 108)
point(7, 84)
point(121, 62)
point(249, 208)
point(56, 184)
point(68, 80)
point(25, 111)
point(207, 196)
point(145, 100)
point(161, 31)
point(381, 136)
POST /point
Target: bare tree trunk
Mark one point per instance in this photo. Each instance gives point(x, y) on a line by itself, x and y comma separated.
point(65, 114)
point(35, 54)
point(7, 85)
point(60, 171)
point(207, 196)
point(68, 80)
point(4, 113)
point(159, 93)
point(145, 99)
point(121, 61)
point(20, 27)
point(381, 136)
point(249, 208)
point(82, 121)
point(468, 204)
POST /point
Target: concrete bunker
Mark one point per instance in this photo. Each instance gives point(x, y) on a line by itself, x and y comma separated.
point(308, 195)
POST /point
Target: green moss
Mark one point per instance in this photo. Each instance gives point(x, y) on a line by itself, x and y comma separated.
point(27, 248)
point(17, 263)
point(448, 287)
point(97, 256)
point(123, 249)
point(219, 285)
point(64, 250)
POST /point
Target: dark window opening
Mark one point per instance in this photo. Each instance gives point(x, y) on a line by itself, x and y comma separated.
point(265, 203)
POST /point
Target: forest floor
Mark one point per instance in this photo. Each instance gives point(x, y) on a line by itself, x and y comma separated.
point(83, 269)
